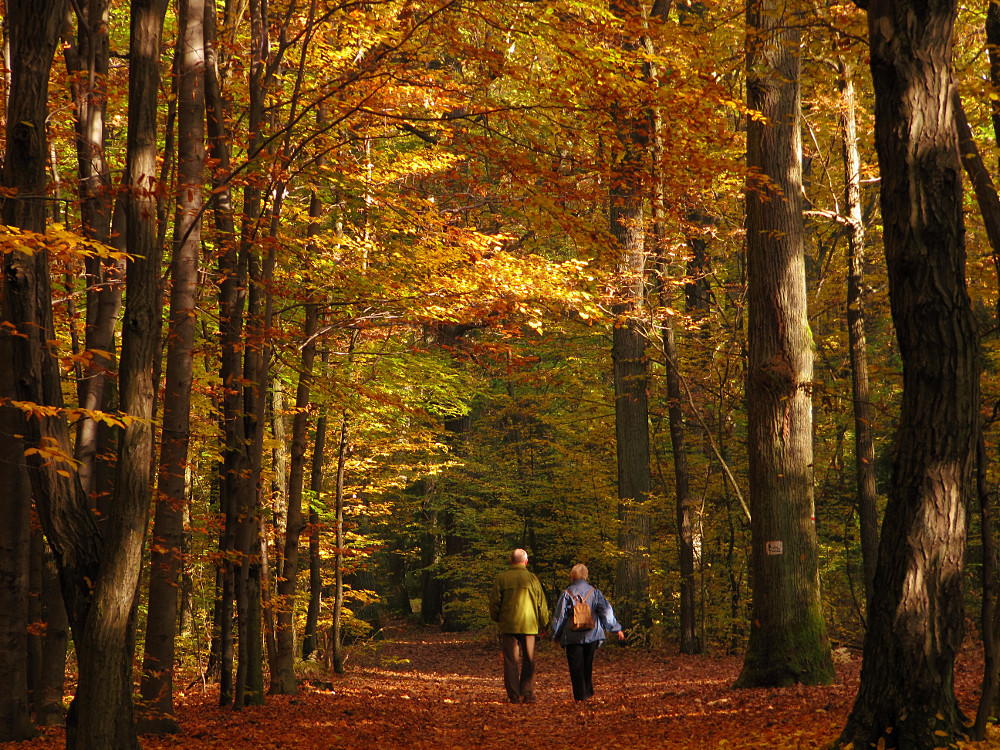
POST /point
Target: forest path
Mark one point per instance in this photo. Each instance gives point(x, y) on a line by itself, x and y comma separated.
point(425, 689)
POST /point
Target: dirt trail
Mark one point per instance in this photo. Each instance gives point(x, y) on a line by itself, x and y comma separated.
point(425, 689)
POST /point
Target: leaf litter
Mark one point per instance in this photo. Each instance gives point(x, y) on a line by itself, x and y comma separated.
point(428, 690)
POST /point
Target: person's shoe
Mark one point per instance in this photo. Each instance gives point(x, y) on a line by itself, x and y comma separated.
point(527, 699)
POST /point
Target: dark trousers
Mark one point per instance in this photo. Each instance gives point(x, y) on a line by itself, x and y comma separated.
point(518, 666)
point(580, 657)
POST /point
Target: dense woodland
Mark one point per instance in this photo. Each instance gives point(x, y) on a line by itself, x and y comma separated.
point(312, 310)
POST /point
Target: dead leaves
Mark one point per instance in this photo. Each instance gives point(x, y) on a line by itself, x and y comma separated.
point(432, 691)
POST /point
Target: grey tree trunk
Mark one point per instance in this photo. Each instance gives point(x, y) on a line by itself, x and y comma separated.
point(906, 694)
point(864, 440)
point(283, 682)
point(105, 651)
point(338, 602)
point(310, 638)
point(788, 642)
point(168, 523)
point(628, 355)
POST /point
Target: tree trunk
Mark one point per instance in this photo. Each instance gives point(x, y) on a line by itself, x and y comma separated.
point(689, 641)
point(15, 558)
point(232, 299)
point(283, 682)
point(628, 354)
point(864, 440)
point(87, 62)
point(310, 637)
point(31, 373)
point(47, 677)
point(105, 651)
point(338, 602)
point(171, 499)
point(788, 643)
point(916, 624)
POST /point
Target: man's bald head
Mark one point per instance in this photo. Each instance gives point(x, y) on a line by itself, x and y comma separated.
point(519, 557)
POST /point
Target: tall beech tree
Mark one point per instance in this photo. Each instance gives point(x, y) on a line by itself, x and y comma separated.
point(906, 697)
point(171, 498)
point(788, 642)
point(106, 646)
point(31, 373)
point(864, 442)
point(628, 348)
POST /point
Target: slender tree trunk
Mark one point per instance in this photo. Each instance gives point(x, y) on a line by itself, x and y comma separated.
point(689, 641)
point(788, 642)
point(15, 567)
point(283, 682)
point(310, 637)
point(168, 524)
point(864, 440)
point(988, 613)
point(232, 299)
point(48, 674)
point(989, 208)
point(338, 602)
point(906, 695)
point(87, 62)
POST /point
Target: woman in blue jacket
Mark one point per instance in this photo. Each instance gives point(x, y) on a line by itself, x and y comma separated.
point(581, 645)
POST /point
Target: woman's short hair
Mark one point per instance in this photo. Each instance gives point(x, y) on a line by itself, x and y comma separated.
point(578, 571)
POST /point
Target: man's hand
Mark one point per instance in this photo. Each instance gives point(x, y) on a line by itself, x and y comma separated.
point(621, 635)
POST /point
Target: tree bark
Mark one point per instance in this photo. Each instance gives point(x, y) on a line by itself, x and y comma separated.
point(628, 355)
point(788, 643)
point(283, 682)
point(864, 440)
point(689, 641)
point(105, 651)
point(47, 677)
point(168, 523)
point(310, 640)
point(338, 601)
point(906, 694)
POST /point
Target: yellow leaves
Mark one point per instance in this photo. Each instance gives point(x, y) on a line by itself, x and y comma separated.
point(50, 451)
point(57, 240)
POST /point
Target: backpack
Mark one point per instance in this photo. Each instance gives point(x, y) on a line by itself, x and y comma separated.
point(583, 619)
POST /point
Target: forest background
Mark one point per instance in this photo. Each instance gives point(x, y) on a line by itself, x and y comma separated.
point(367, 294)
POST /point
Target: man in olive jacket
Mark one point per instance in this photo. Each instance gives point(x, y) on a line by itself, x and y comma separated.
point(517, 605)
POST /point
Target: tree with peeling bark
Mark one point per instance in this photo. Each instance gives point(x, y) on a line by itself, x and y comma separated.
point(906, 697)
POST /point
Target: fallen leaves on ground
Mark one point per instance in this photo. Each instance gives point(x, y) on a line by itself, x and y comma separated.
point(427, 690)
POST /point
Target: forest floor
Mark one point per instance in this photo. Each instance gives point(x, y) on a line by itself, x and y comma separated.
point(423, 689)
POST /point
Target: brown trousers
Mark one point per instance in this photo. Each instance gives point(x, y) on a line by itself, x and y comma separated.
point(518, 666)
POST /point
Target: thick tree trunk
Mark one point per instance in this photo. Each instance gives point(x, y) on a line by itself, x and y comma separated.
point(864, 440)
point(906, 695)
point(788, 643)
point(168, 523)
point(630, 366)
point(105, 651)
point(31, 372)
